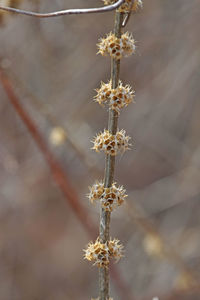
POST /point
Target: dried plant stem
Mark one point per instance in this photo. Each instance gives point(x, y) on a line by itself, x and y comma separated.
point(109, 167)
point(73, 11)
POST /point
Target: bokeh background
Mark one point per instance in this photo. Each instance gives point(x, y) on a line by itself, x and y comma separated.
point(52, 69)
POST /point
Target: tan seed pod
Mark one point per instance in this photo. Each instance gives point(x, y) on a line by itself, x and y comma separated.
point(113, 197)
point(116, 47)
point(96, 191)
point(111, 144)
point(101, 253)
point(110, 198)
point(116, 98)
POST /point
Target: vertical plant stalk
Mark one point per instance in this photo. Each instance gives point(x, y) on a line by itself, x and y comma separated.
point(104, 229)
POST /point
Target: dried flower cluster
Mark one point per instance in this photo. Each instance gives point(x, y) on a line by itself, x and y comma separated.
point(96, 191)
point(116, 47)
point(111, 144)
point(127, 6)
point(110, 198)
point(116, 98)
point(101, 253)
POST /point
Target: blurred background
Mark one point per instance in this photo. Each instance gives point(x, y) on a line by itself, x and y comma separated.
point(49, 71)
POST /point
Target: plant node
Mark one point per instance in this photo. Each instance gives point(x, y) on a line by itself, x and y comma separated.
point(116, 47)
point(110, 198)
point(111, 144)
point(100, 253)
point(116, 98)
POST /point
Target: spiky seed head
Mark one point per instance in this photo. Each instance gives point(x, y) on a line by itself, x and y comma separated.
point(103, 93)
point(116, 47)
point(100, 253)
point(96, 191)
point(113, 197)
point(117, 98)
point(111, 144)
point(110, 198)
point(116, 249)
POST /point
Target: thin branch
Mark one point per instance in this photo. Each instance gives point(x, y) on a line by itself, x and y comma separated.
point(73, 11)
point(104, 230)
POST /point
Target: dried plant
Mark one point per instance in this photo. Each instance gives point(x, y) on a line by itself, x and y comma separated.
point(111, 141)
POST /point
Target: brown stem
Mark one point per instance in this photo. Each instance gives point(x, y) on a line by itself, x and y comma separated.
point(109, 167)
point(73, 11)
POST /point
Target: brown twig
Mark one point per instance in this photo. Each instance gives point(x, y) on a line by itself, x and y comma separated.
point(72, 11)
point(104, 228)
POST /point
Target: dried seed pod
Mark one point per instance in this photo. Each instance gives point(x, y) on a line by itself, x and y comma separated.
point(103, 93)
point(110, 198)
point(116, 47)
point(116, 98)
point(97, 252)
point(113, 197)
point(100, 253)
point(116, 249)
point(127, 6)
point(96, 191)
point(128, 44)
point(111, 144)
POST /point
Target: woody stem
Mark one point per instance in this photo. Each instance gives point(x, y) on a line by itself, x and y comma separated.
point(109, 166)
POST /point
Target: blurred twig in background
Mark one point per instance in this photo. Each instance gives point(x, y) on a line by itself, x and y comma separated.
point(63, 135)
point(58, 173)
